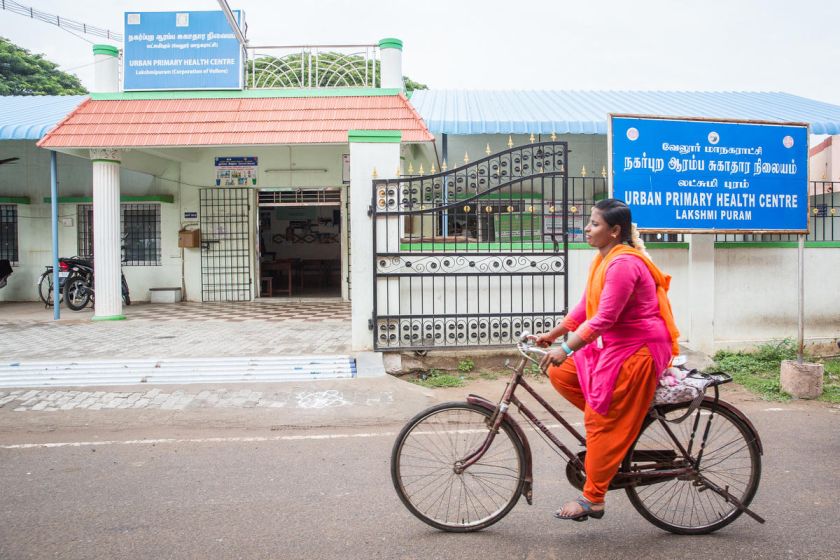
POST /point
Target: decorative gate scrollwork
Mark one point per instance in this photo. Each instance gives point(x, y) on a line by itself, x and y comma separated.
point(474, 255)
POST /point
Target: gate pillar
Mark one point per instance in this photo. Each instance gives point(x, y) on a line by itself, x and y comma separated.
point(701, 290)
point(107, 248)
point(371, 152)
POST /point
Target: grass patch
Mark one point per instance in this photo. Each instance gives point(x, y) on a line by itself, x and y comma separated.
point(759, 371)
point(436, 378)
point(492, 375)
point(831, 381)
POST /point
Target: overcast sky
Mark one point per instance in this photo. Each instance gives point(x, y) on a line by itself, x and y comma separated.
point(709, 45)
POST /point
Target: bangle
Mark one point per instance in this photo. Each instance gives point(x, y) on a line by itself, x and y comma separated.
point(566, 349)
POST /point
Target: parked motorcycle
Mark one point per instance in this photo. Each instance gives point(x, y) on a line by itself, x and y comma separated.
point(76, 283)
point(5, 271)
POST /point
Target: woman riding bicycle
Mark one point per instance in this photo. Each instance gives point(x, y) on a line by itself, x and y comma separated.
point(622, 336)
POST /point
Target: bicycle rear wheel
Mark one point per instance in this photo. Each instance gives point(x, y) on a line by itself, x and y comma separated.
point(423, 468)
point(45, 289)
point(686, 505)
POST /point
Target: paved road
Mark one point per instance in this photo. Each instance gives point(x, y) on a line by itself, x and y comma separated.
point(299, 484)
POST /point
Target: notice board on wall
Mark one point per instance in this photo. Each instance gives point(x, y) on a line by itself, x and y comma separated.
point(704, 175)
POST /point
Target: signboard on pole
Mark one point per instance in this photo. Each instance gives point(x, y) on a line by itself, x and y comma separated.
point(181, 51)
point(699, 175)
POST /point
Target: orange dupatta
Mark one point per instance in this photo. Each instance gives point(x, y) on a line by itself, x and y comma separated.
point(598, 275)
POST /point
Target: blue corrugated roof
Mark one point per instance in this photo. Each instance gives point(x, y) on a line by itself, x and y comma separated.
point(31, 117)
point(585, 112)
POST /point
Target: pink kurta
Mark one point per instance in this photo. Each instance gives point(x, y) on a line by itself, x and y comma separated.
point(628, 317)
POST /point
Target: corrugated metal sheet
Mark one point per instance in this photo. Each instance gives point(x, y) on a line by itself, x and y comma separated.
point(31, 117)
point(226, 122)
point(585, 112)
point(176, 370)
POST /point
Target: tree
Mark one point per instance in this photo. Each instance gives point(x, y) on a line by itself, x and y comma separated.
point(24, 73)
point(325, 69)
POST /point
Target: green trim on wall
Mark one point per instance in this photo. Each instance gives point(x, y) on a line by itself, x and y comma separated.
point(390, 43)
point(110, 50)
point(108, 318)
point(513, 247)
point(246, 94)
point(499, 196)
point(14, 200)
point(448, 246)
point(168, 198)
point(776, 244)
point(375, 136)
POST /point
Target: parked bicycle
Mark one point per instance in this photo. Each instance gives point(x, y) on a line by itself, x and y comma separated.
point(76, 283)
point(462, 466)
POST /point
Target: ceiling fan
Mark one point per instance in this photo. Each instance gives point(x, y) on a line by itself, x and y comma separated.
point(9, 160)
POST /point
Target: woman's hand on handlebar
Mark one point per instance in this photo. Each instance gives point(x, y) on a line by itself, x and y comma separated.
point(544, 340)
point(553, 357)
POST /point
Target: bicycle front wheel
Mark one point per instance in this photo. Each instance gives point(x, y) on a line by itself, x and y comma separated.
point(423, 469)
point(686, 505)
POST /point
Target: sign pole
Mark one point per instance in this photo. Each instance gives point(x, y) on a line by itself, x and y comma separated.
point(801, 286)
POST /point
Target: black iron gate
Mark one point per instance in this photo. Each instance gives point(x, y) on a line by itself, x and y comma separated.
point(472, 256)
point(225, 244)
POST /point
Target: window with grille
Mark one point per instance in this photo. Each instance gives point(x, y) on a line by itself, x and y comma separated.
point(140, 228)
point(9, 232)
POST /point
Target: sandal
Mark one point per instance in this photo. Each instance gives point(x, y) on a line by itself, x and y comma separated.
point(587, 512)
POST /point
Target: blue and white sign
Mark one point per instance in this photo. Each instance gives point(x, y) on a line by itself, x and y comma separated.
point(181, 50)
point(704, 175)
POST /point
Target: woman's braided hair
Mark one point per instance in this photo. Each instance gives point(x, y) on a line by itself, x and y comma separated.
point(617, 213)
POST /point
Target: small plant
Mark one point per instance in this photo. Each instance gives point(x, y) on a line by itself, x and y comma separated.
point(466, 365)
point(436, 378)
point(831, 381)
point(492, 375)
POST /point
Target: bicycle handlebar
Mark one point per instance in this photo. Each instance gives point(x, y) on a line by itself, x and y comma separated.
point(526, 347)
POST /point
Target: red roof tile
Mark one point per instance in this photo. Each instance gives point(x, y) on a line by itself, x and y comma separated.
point(225, 122)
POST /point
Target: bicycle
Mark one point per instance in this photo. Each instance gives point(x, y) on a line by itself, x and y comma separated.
point(462, 466)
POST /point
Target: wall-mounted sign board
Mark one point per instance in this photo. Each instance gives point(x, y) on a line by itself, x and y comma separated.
point(181, 51)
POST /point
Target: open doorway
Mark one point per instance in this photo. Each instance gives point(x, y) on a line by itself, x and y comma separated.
point(300, 242)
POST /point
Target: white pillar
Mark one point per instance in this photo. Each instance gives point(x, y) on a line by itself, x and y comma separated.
point(390, 53)
point(701, 290)
point(107, 248)
point(369, 151)
point(106, 69)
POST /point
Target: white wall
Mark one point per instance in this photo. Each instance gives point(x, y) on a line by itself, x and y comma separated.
point(30, 176)
point(198, 171)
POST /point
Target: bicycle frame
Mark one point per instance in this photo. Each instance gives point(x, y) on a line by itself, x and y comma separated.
point(661, 468)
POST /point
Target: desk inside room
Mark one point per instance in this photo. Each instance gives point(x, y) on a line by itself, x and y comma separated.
point(276, 277)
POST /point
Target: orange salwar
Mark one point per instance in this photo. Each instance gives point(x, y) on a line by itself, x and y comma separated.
point(608, 438)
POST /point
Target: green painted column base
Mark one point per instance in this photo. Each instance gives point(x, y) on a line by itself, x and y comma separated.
point(108, 318)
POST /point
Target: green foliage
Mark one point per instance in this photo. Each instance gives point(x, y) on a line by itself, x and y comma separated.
point(466, 365)
point(328, 69)
point(492, 375)
point(438, 379)
point(831, 381)
point(24, 73)
point(758, 371)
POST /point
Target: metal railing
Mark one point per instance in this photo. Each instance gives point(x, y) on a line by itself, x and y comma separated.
point(308, 66)
point(823, 218)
